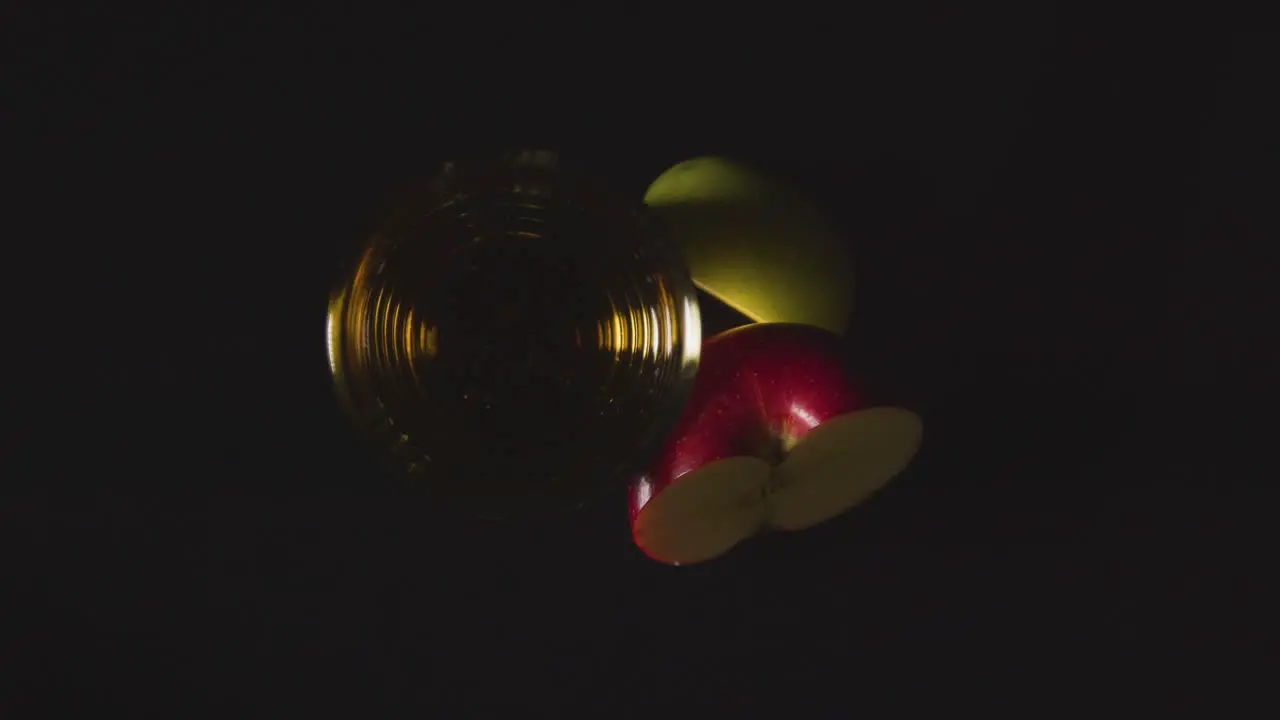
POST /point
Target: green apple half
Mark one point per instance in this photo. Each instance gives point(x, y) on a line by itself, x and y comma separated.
point(755, 244)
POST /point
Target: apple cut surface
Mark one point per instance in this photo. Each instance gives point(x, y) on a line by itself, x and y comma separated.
point(705, 512)
point(839, 464)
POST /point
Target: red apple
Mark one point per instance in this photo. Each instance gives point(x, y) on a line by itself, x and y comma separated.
point(777, 434)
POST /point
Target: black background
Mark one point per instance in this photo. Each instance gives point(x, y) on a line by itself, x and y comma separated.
point(1052, 211)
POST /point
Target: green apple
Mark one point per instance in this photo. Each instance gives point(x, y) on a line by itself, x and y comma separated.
point(755, 244)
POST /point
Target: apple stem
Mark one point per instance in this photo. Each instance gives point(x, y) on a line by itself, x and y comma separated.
point(773, 450)
point(776, 446)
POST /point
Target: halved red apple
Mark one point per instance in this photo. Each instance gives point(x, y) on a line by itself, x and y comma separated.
point(777, 435)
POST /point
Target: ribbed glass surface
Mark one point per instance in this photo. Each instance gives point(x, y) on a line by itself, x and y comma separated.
point(515, 336)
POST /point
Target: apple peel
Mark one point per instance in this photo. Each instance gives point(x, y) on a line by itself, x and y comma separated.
point(839, 464)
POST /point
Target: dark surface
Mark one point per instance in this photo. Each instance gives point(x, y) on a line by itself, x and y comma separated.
point(1055, 218)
